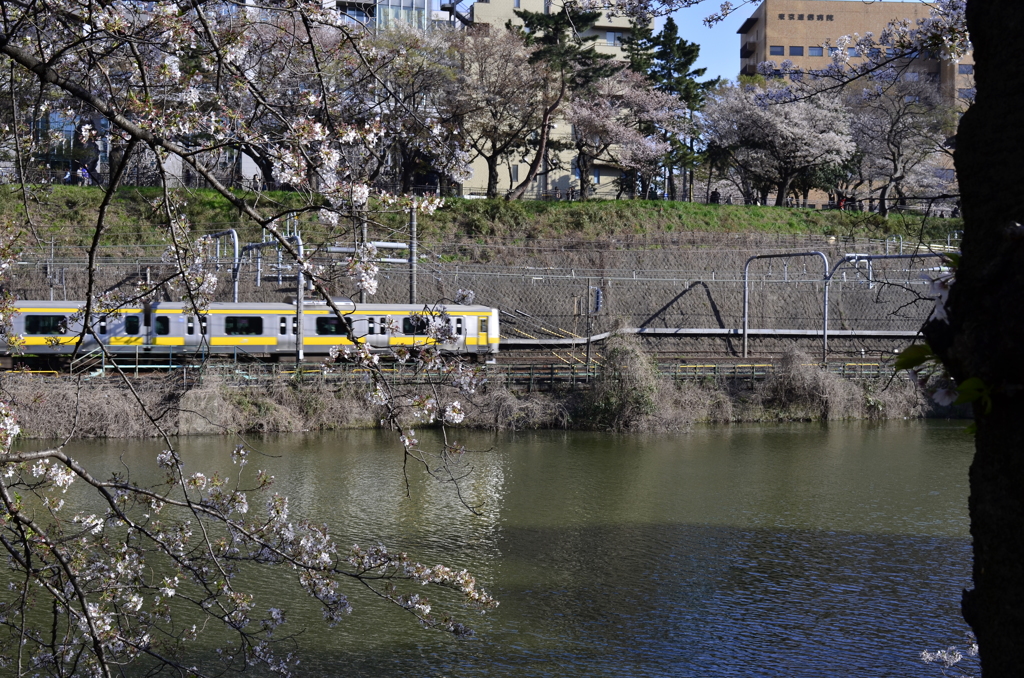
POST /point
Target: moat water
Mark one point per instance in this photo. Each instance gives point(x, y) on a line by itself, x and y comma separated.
point(794, 550)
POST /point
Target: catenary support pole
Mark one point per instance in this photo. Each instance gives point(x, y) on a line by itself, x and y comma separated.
point(365, 239)
point(412, 253)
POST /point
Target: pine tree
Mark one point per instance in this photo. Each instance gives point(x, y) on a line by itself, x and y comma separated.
point(571, 58)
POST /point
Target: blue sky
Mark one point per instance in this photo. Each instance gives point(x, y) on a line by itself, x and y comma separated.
point(719, 46)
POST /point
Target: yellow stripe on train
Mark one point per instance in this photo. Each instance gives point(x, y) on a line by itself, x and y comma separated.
point(411, 341)
point(243, 341)
point(45, 341)
point(326, 341)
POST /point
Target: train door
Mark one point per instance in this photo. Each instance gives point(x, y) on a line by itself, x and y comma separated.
point(124, 333)
point(194, 328)
point(459, 327)
point(483, 339)
point(377, 331)
point(287, 328)
point(168, 330)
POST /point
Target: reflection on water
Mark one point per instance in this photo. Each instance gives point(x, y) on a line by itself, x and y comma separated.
point(766, 551)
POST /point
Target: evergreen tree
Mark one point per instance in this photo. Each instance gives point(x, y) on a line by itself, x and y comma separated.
point(672, 68)
point(573, 62)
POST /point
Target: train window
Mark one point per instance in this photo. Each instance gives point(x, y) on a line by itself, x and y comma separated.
point(458, 326)
point(103, 324)
point(45, 324)
point(131, 324)
point(282, 326)
point(243, 325)
point(383, 326)
point(414, 324)
point(163, 324)
point(332, 325)
point(371, 326)
point(190, 325)
point(202, 325)
point(483, 325)
point(295, 326)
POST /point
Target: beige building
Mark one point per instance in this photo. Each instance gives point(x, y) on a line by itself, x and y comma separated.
point(551, 180)
point(802, 31)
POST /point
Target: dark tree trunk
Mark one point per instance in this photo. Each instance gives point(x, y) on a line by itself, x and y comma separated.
point(585, 164)
point(780, 198)
point(492, 176)
point(983, 337)
point(883, 200)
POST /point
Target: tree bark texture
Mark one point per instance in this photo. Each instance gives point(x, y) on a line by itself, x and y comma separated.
point(985, 335)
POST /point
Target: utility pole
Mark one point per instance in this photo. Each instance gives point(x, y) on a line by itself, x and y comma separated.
point(412, 253)
point(366, 240)
point(586, 300)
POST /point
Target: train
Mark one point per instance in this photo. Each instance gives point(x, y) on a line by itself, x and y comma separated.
point(52, 328)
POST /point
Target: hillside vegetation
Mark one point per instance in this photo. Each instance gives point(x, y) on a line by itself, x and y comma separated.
point(67, 215)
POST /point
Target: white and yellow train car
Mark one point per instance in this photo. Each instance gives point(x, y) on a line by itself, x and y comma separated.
point(51, 328)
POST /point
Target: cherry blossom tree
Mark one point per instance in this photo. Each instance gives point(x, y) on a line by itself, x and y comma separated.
point(499, 95)
point(572, 65)
point(623, 119)
point(900, 128)
point(774, 143)
point(179, 84)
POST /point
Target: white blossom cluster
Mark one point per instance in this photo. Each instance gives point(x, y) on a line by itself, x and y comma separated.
point(362, 267)
point(951, 657)
point(9, 428)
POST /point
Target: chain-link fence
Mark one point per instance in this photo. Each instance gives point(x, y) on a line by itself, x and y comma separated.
point(563, 289)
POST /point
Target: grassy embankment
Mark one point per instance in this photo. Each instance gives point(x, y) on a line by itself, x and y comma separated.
point(67, 214)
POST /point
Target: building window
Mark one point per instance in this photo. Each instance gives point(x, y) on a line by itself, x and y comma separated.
point(890, 52)
point(966, 93)
point(874, 52)
point(516, 4)
point(796, 51)
point(610, 37)
point(777, 50)
point(965, 69)
point(832, 51)
point(851, 51)
point(515, 173)
point(597, 176)
point(815, 51)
